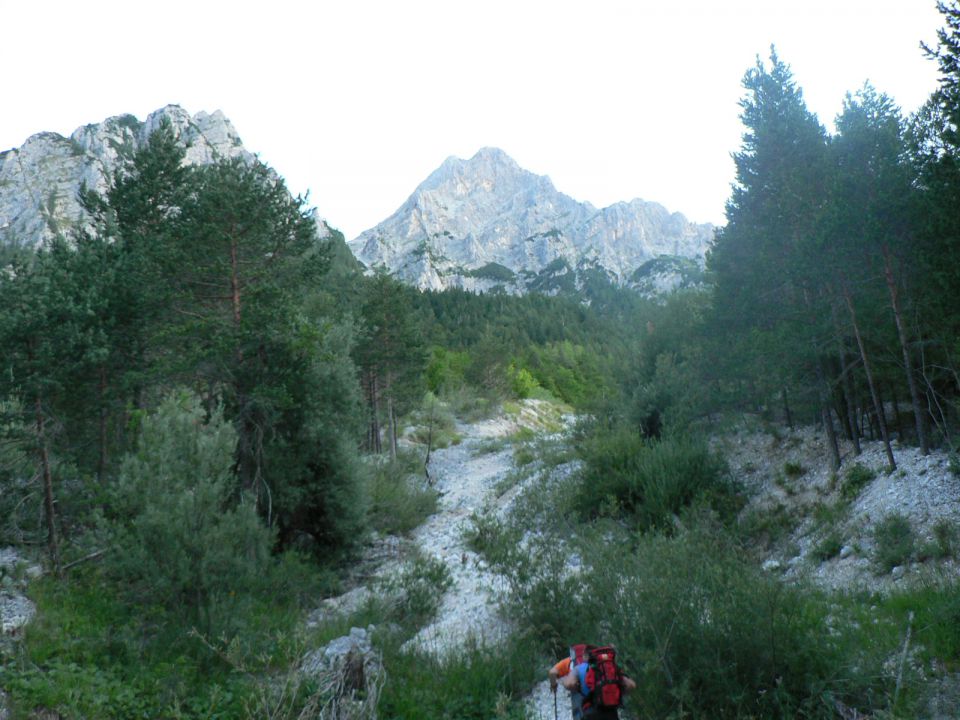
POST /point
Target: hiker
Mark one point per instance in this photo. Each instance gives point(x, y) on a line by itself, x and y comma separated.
point(582, 674)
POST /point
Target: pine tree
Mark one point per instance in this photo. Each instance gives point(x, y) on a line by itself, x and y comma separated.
point(764, 261)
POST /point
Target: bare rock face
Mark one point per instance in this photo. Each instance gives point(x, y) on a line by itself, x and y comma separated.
point(39, 181)
point(487, 223)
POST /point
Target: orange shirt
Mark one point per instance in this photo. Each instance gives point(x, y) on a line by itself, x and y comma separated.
point(562, 668)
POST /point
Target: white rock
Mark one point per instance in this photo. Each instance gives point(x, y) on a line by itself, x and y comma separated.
point(488, 212)
point(39, 181)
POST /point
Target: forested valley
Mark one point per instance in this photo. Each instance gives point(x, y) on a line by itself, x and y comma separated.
point(207, 411)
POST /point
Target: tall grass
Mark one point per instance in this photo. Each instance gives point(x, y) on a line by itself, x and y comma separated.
point(481, 682)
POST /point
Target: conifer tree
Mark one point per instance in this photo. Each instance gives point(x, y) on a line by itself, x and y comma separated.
point(764, 259)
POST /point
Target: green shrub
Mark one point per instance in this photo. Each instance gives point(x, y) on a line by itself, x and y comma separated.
point(434, 424)
point(445, 370)
point(829, 547)
point(855, 479)
point(794, 470)
point(651, 481)
point(523, 454)
point(491, 538)
point(936, 608)
point(522, 382)
point(468, 404)
point(768, 527)
point(703, 631)
point(400, 497)
point(181, 539)
point(894, 541)
point(417, 589)
point(945, 535)
point(90, 653)
point(954, 464)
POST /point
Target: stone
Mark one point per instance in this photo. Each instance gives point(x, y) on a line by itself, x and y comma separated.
point(898, 572)
point(486, 222)
point(33, 572)
point(39, 181)
point(846, 551)
point(771, 565)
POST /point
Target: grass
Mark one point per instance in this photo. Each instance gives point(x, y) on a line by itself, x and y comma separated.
point(894, 542)
point(415, 591)
point(475, 682)
point(87, 654)
point(855, 479)
point(829, 547)
point(794, 470)
point(768, 527)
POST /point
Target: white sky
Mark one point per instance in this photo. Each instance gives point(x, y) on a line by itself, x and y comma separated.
point(358, 101)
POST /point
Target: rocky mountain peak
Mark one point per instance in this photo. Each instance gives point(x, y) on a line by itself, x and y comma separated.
point(486, 223)
point(39, 181)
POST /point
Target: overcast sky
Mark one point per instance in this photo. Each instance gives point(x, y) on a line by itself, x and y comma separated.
point(358, 101)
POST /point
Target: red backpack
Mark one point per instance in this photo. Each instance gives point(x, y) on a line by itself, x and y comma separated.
point(600, 678)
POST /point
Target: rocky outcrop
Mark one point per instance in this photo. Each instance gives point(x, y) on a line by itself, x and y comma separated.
point(487, 223)
point(40, 180)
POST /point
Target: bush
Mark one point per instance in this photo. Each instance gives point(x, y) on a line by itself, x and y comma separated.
point(704, 632)
point(522, 382)
point(894, 540)
point(90, 654)
point(855, 479)
point(945, 535)
point(400, 497)
point(651, 481)
point(829, 547)
point(181, 538)
point(417, 589)
point(435, 424)
point(794, 470)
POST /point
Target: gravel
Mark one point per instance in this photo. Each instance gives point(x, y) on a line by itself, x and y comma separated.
point(922, 489)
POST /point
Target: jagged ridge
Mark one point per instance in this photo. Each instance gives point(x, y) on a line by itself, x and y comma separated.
point(486, 223)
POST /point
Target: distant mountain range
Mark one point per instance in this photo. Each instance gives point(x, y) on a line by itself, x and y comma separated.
point(486, 224)
point(483, 224)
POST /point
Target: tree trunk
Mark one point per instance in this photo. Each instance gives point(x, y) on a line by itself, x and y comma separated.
point(430, 423)
point(846, 384)
point(373, 396)
point(878, 407)
point(904, 349)
point(48, 502)
point(896, 411)
point(850, 400)
point(392, 420)
point(102, 454)
point(823, 392)
point(786, 408)
point(825, 415)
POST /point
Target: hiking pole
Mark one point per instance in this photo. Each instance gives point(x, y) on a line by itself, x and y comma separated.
point(555, 715)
